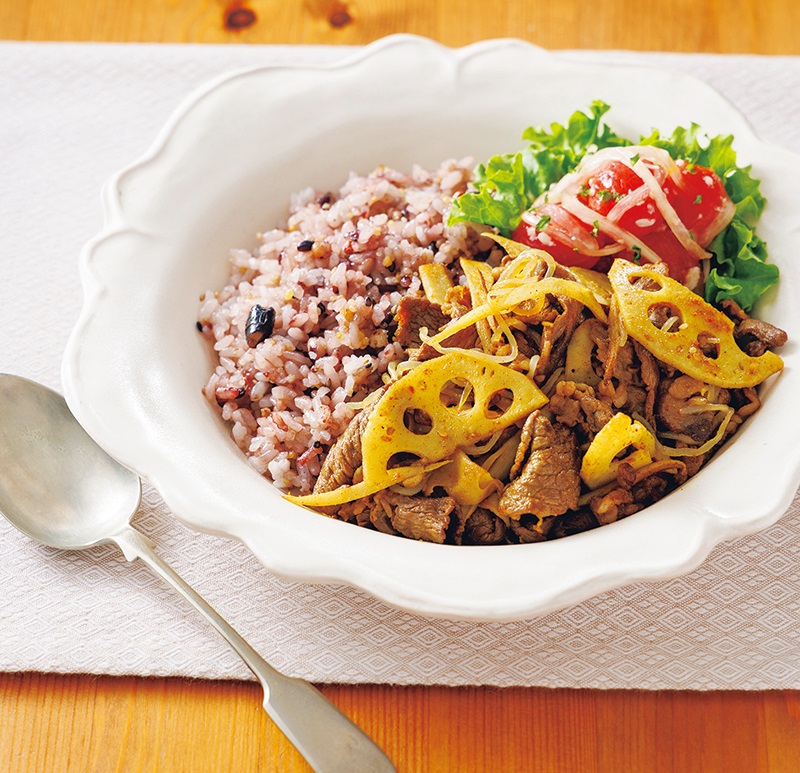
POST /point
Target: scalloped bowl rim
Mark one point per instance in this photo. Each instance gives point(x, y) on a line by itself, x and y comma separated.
point(141, 399)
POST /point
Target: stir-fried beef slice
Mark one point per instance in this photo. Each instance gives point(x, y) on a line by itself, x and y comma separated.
point(525, 440)
point(679, 407)
point(549, 483)
point(754, 336)
point(608, 347)
point(577, 406)
point(344, 458)
point(651, 377)
point(548, 332)
point(556, 336)
point(483, 527)
point(462, 339)
point(377, 516)
point(411, 315)
point(546, 315)
point(525, 345)
point(652, 489)
point(622, 384)
point(431, 519)
point(630, 372)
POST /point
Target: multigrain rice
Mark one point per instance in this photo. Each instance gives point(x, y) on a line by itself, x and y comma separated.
point(333, 274)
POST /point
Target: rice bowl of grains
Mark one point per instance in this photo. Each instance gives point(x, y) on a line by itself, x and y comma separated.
point(258, 280)
point(333, 275)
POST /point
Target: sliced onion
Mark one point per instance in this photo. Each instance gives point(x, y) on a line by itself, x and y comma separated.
point(565, 233)
point(633, 199)
point(676, 225)
point(589, 216)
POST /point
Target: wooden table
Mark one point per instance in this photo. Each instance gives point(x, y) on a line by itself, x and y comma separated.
point(79, 723)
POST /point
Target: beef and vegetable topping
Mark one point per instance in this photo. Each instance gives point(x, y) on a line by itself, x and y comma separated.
point(538, 401)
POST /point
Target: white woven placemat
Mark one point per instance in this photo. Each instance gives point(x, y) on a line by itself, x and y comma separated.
point(70, 115)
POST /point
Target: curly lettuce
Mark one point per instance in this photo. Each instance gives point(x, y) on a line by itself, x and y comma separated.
point(507, 185)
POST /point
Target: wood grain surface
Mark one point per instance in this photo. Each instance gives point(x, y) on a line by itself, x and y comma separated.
point(91, 724)
point(725, 26)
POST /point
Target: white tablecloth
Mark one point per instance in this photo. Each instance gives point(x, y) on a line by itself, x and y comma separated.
point(70, 115)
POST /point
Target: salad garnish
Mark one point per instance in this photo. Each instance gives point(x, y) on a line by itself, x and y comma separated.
point(514, 193)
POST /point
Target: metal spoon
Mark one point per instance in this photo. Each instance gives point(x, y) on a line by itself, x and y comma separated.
point(60, 488)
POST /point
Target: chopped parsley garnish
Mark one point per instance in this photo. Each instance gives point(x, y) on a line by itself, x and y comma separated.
point(607, 195)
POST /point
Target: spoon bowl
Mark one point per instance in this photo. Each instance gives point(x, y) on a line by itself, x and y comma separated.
point(61, 489)
point(57, 485)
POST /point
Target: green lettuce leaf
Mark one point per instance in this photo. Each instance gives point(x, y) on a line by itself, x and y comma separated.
point(507, 185)
point(741, 271)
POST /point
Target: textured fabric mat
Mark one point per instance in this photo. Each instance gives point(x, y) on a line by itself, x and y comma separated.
point(70, 115)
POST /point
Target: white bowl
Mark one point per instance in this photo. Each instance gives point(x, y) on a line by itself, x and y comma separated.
point(223, 169)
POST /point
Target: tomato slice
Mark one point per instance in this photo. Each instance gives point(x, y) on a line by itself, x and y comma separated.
point(700, 201)
point(560, 234)
point(607, 186)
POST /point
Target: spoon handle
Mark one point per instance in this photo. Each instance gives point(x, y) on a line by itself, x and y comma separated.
point(327, 738)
